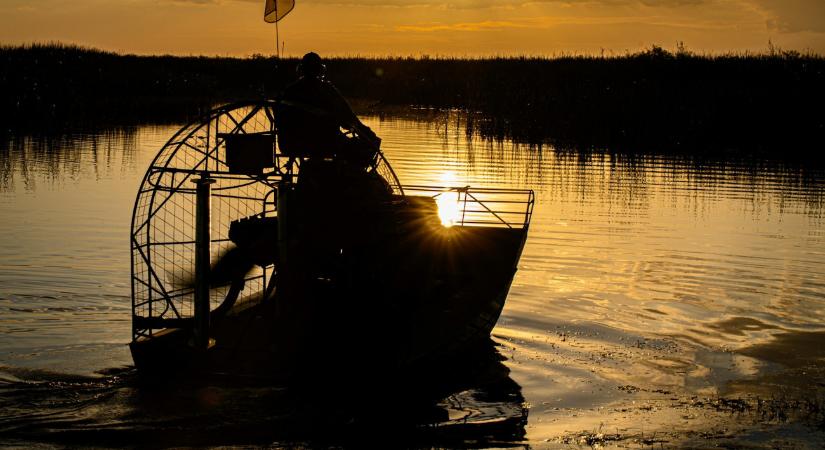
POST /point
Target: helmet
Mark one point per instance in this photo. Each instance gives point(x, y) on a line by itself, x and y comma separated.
point(311, 66)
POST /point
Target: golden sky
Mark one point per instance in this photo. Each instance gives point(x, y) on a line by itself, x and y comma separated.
point(416, 27)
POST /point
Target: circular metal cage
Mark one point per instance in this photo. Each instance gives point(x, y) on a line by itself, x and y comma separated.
point(163, 236)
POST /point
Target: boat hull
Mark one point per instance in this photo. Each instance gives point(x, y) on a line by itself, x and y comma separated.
point(421, 292)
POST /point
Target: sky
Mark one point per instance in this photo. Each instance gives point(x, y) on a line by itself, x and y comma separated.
point(468, 28)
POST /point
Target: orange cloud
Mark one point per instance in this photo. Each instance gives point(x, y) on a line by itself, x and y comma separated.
point(463, 26)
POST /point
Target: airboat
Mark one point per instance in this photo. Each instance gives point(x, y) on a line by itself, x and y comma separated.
point(316, 274)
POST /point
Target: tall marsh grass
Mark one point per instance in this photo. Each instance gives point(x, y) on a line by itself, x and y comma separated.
point(654, 100)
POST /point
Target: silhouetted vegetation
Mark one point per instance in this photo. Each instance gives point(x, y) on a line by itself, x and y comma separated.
point(654, 100)
point(47, 87)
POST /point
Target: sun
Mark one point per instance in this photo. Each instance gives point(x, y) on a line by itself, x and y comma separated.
point(449, 210)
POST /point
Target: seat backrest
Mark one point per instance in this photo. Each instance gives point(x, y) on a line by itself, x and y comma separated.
point(249, 153)
point(303, 133)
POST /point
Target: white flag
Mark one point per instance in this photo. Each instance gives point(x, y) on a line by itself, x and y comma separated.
point(275, 10)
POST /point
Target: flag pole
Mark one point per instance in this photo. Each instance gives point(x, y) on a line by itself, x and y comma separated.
point(272, 13)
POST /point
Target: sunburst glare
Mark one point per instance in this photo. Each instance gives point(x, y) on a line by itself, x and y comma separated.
point(448, 206)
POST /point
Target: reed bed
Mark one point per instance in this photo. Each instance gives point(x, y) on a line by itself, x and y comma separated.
point(655, 100)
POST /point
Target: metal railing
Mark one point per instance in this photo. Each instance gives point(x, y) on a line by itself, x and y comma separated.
point(469, 206)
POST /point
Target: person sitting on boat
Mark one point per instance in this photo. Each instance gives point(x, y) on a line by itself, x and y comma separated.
point(311, 115)
point(338, 201)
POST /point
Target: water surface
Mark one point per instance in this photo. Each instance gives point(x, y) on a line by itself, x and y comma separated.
point(643, 278)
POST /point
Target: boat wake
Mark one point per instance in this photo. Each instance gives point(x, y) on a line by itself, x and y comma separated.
point(450, 406)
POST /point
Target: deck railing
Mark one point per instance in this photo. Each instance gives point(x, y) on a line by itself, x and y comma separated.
point(488, 207)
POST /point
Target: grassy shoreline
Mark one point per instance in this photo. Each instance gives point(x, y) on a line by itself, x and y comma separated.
point(650, 101)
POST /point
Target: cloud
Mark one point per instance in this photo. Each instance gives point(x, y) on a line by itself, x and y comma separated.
point(545, 22)
point(470, 4)
point(791, 16)
point(197, 2)
point(463, 26)
point(783, 16)
point(482, 4)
